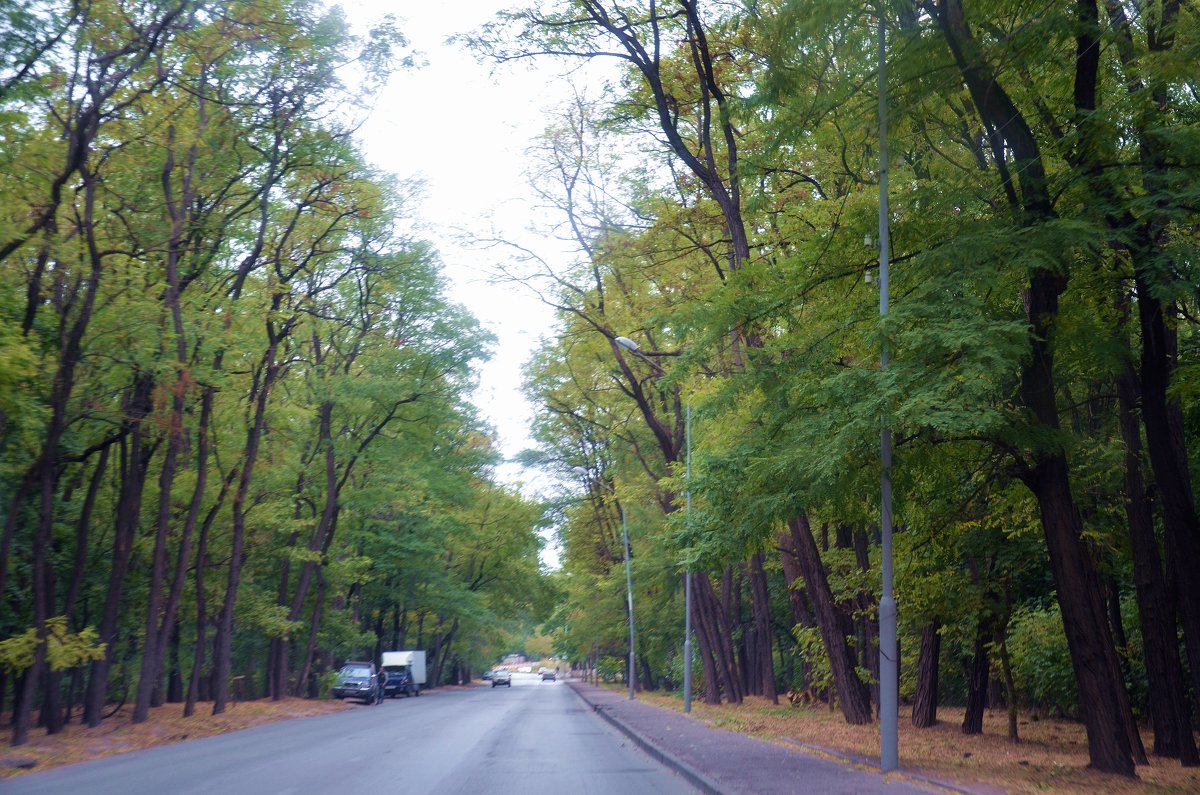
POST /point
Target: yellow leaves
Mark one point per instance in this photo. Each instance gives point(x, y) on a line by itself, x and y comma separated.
point(64, 649)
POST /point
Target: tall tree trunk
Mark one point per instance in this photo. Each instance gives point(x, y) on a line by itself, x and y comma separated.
point(1168, 700)
point(47, 466)
point(310, 648)
point(1104, 702)
point(175, 675)
point(1165, 441)
point(853, 697)
point(1103, 699)
point(726, 620)
point(1161, 413)
point(197, 689)
point(223, 662)
point(709, 610)
point(868, 616)
point(977, 683)
point(704, 639)
point(82, 533)
point(135, 461)
point(801, 615)
point(925, 702)
point(1010, 687)
point(762, 624)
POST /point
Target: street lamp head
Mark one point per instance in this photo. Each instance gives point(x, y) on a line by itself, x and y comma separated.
point(627, 344)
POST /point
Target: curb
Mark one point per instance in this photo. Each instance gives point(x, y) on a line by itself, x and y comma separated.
point(664, 757)
point(707, 785)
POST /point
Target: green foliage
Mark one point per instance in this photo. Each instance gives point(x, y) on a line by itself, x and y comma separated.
point(810, 649)
point(1041, 662)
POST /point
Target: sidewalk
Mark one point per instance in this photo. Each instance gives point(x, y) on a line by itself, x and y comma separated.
point(716, 761)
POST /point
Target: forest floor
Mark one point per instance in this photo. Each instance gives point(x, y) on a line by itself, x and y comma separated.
point(1051, 756)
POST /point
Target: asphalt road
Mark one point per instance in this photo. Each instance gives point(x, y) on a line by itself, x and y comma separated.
point(533, 736)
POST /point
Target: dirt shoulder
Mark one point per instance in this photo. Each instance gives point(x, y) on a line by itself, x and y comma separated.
point(166, 724)
point(1051, 755)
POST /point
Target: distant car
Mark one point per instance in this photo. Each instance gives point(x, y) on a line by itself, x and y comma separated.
point(502, 677)
point(357, 680)
point(488, 674)
point(548, 674)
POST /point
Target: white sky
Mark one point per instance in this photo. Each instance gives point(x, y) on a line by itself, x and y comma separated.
point(464, 132)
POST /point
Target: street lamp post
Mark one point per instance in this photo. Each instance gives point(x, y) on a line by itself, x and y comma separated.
point(633, 348)
point(629, 594)
point(628, 583)
point(687, 581)
point(888, 648)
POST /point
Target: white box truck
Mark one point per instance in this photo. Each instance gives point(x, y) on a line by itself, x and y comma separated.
point(406, 672)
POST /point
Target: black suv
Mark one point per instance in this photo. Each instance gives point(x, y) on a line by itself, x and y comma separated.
point(399, 682)
point(357, 680)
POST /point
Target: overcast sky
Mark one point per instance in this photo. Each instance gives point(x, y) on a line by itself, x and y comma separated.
point(464, 132)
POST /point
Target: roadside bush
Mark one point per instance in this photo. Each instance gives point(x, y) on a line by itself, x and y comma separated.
point(1041, 662)
point(611, 668)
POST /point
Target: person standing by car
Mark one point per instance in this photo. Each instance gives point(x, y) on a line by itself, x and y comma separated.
point(383, 678)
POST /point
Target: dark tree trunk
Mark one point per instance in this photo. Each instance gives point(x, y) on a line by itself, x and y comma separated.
point(868, 617)
point(726, 621)
point(175, 674)
point(223, 652)
point(135, 460)
point(853, 697)
point(322, 535)
point(310, 648)
point(648, 680)
point(1168, 456)
point(741, 630)
point(925, 702)
point(708, 610)
point(762, 626)
point(1010, 687)
point(1168, 701)
point(1104, 702)
point(977, 682)
point(198, 682)
point(704, 639)
point(801, 615)
point(82, 533)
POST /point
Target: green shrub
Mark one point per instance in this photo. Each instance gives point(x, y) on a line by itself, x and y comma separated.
point(1041, 661)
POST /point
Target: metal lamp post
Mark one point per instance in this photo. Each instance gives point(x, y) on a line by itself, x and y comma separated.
point(888, 648)
point(633, 348)
point(629, 593)
point(687, 582)
point(628, 584)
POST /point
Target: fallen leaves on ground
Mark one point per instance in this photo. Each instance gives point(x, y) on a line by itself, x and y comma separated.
point(1050, 757)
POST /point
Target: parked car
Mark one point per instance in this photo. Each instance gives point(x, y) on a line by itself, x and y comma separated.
point(357, 679)
point(488, 674)
point(399, 682)
point(502, 677)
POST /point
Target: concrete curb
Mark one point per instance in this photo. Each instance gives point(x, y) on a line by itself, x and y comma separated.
point(707, 785)
point(694, 776)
